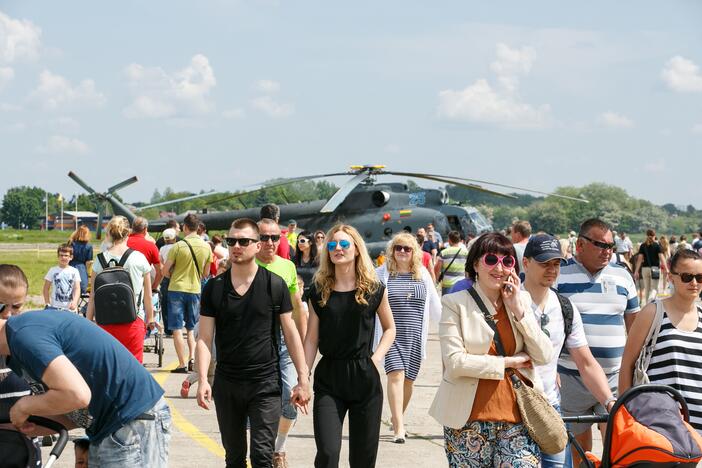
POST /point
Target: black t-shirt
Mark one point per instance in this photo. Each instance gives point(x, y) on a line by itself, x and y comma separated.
point(346, 327)
point(428, 246)
point(650, 254)
point(247, 327)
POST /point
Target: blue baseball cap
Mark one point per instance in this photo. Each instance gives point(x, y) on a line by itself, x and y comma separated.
point(542, 248)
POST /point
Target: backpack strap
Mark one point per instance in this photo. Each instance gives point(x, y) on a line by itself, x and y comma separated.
point(103, 262)
point(567, 311)
point(125, 257)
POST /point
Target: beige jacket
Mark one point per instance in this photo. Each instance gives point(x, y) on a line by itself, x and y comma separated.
point(465, 341)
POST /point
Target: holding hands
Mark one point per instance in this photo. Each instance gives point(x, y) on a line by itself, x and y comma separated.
point(301, 396)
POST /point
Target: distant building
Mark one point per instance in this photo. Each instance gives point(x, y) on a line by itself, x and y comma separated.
point(87, 218)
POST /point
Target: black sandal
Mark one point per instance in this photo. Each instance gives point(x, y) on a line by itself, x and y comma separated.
point(191, 365)
point(179, 370)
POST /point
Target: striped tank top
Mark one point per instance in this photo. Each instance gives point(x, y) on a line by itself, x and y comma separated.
point(676, 362)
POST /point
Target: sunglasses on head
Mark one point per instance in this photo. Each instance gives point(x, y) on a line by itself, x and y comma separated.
point(688, 277)
point(600, 245)
point(543, 322)
point(10, 306)
point(344, 244)
point(491, 260)
point(242, 241)
point(403, 248)
point(269, 237)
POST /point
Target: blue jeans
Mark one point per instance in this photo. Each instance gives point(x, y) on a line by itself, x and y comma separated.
point(183, 310)
point(288, 379)
point(137, 443)
point(559, 459)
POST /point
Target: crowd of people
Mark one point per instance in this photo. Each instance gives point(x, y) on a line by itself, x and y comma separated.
point(250, 311)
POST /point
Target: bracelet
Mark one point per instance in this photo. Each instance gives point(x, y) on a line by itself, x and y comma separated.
point(609, 400)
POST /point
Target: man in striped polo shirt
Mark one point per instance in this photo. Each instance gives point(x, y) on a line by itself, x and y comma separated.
point(606, 297)
point(451, 263)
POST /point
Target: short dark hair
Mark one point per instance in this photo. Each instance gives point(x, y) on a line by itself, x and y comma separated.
point(192, 221)
point(650, 232)
point(242, 223)
point(682, 255)
point(12, 276)
point(65, 248)
point(523, 228)
point(592, 223)
point(491, 242)
point(172, 223)
point(270, 211)
point(455, 237)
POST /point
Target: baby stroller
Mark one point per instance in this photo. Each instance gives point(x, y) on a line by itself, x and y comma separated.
point(153, 341)
point(647, 427)
point(17, 450)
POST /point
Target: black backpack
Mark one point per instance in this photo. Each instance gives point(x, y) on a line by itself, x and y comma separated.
point(567, 311)
point(114, 294)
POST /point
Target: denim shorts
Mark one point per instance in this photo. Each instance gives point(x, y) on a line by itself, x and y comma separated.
point(183, 310)
point(288, 379)
point(138, 443)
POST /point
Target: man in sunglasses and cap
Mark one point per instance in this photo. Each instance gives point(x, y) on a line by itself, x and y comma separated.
point(561, 322)
point(607, 299)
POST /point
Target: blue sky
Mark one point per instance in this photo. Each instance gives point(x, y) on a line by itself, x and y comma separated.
point(224, 94)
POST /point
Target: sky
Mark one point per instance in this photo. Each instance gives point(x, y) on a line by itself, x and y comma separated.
point(219, 94)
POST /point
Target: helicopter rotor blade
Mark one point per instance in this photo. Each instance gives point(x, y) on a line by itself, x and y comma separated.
point(82, 183)
point(496, 184)
point(341, 194)
point(122, 184)
point(98, 228)
point(178, 200)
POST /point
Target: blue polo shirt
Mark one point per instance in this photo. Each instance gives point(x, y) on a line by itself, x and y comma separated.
point(603, 300)
point(121, 388)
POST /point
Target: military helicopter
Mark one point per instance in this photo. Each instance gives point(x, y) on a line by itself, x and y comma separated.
point(378, 210)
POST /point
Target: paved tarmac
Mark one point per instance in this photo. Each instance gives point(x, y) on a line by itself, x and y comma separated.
point(195, 438)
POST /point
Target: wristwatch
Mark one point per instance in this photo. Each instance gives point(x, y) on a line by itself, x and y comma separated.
point(609, 400)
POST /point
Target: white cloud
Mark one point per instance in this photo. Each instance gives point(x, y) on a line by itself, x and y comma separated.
point(682, 75)
point(500, 104)
point(697, 128)
point(7, 74)
point(15, 127)
point(59, 144)
point(268, 86)
point(234, 113)
point(19, 39)
point(6, 107)
point(158, 94)
point(54, 92)
point(65, 124)
point(272, 108)
point(614, 120)
point(655, 167)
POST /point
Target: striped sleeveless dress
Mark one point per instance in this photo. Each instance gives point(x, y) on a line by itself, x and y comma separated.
point(406, 297)
point(677, 361)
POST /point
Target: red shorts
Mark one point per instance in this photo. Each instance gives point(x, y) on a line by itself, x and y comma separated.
point(131, 335)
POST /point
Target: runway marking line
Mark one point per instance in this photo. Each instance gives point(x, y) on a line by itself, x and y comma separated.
point(182, 424)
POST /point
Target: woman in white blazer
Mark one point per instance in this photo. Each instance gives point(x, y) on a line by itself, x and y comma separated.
point(475, 402)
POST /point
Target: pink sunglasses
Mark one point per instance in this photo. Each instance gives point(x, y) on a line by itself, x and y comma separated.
point(491, 260)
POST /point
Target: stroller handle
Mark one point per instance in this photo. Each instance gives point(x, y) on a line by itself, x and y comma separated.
point(589, 419)
point(54, 426)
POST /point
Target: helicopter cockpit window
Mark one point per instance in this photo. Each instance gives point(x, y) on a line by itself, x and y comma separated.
point(479, 221)
point(440, 224)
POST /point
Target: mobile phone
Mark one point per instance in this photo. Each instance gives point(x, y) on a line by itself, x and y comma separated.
point(508, 288)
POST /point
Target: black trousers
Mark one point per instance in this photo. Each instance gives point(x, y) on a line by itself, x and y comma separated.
point(164, 302)
point(260, 403)
point(361, 396)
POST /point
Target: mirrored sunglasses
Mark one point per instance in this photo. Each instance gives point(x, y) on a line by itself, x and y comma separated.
point(344, 244)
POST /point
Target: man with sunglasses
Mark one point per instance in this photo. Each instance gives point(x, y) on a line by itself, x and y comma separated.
point(558, 317)
point(270, 236)
point(607, 299)
point(246, 305)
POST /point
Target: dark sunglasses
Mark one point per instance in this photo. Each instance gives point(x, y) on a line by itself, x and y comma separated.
point(600, 245)
point(271, 237)
point(403, 248)
point(321, 236)
point(331, 246)
point(242, 241)
point(492, 260)
point(688, 277)
point(10, 306)
point(544, 321)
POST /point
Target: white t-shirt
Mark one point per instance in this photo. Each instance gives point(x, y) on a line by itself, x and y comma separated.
point(519, 248)
point(63, 281)
point(556, 329)
point(163, 252)
point(137, 266)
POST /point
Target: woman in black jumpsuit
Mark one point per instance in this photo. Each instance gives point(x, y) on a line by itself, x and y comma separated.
point(344, 300)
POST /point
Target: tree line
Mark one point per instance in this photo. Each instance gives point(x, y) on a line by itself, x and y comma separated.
point(24, 206)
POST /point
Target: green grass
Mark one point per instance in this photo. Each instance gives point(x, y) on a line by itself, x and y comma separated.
point(34, 236)
point(34, 263)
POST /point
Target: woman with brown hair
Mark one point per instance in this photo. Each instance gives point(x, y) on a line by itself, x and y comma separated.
point(650, 266)
point(131, 335)
point(413, 301)
point(344, 300)
point(475, 402)
point(82, 254)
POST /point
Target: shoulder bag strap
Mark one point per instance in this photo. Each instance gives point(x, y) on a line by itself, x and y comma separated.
point(444, 270)
point(192, 252)
point(655, 329)
point(488, 318)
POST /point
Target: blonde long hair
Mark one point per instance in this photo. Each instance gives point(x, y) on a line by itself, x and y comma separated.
point(366, 279)
point(404, 238)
